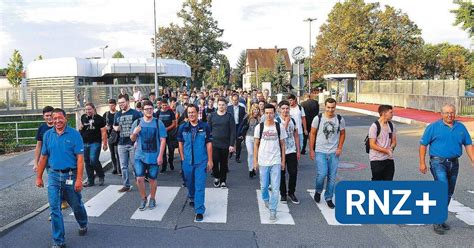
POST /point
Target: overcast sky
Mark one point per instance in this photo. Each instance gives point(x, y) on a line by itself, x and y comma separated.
point(78, 28)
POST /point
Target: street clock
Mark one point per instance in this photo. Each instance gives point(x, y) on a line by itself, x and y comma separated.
point(298, 53)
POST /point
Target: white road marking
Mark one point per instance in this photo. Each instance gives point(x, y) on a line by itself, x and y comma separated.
point(216, 205)
point(462, 212)
point(328, 214)
point(102, 201)
point(164, 197)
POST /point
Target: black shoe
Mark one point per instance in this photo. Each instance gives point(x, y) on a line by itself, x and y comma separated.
point(283, 199)
point(250, 174)
point(445, 226)
point(59, 246)
point(238, 160)
point(217, 183)
point(87, 184)
point(199, 217)
point(163, 170)
point(330, 204)
point(303, 153)
point(317, 197)
point(294, 199)
point(191, 203)
point(253, 173)
point(82, 231)
point(438, 229)
point(101, 181)
point(172, 167)
point(147, 179)
point(114, 172)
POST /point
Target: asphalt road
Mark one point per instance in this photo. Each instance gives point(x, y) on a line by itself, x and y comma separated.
point(243, 227)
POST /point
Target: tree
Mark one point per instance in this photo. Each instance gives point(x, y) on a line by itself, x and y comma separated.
point(224, 70)
point(361, 38)
point(464, 16)
point(240, 69)
point(118, 55)
point(196, 42)
point(280, 73)
point(15, 69)
point(453, 61)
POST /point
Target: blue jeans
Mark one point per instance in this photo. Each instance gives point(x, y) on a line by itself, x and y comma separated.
point(301, 141)
point(141, 167)
point(271, 174)
point(446, 172)
point(57, 189)
point(126, 154)
point(326, 166)
point(91, 161)
point(195, 180)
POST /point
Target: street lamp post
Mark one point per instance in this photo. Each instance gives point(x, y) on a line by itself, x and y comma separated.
point(103, 48)
point(154, 48)
point(310, 55)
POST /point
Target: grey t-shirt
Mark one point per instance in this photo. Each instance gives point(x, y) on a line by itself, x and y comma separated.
point(290, 143)
point(327, 137)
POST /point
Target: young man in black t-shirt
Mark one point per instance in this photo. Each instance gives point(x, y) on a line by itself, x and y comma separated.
point(109, 117)
point(168, 117)
point(93, 132)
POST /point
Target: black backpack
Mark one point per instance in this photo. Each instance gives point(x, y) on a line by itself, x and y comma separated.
point(339, 117)
point(367, 142)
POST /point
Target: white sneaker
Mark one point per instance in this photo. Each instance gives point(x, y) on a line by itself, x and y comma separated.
point(223, 185)
point(217, 183)
point(273, 216)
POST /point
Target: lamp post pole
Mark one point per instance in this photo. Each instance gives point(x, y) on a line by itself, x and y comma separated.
point(310, 54)
point(154, 48)
point(103, 48)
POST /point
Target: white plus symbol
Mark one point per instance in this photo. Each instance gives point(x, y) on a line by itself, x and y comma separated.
point(426, 203)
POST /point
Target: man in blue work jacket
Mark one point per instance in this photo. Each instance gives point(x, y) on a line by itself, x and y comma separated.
point(195, 149)
point(445, 138)
point(63, 150)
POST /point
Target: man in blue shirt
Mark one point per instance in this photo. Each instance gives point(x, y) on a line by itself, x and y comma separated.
point(63, 150)
point(150, 134)
point(123, 124)
point(195, 149)
point(445, 138)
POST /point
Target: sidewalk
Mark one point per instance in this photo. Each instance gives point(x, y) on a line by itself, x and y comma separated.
point(404, 115)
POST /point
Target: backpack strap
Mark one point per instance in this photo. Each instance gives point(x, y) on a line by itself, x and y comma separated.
point(379, 128)
point(339, 118)
point(390, 124)
point(293, 120)
point(261, 129)
point(158, 127)
point(320, 115)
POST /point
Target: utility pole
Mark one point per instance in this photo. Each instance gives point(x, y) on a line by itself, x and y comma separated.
point(154, 48)
point(310, 54)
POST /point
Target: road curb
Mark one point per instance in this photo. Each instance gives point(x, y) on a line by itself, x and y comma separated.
point(107, 165)
point(376, 114)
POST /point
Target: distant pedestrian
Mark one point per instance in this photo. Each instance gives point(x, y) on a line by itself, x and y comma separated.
point(311, 110)
point(195, 149)
point(298, 114)
point(150, 136)
point(93, 132)
point(445, 139)
point(168, 117)
point(382, 140)
point(269, 158)
point(327, 138)
point(123, 124)
point(248, 129)
point(237, 110)
point(63, 150)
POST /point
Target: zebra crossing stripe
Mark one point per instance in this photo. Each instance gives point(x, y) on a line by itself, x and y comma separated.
point(328, 214)
point(216, 205)
point(164, 197)
point(283, 212)
point(462, 212)
point(102, 201)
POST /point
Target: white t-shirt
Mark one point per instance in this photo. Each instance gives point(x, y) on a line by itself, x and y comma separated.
point(137, 96)
point(269, 152)
point(296, 114)
point(327, 137)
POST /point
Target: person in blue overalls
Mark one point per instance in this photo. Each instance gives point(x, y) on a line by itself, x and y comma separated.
point(195, 150)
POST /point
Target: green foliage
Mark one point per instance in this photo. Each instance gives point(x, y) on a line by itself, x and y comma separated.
point(196, 42)
point(240, 69)
point(15, 69)
point(464, 16)
point(446, 61)
point(281, 80)
point(118, 55)
point(219, 75)
point(3, 71)
point(362, 38)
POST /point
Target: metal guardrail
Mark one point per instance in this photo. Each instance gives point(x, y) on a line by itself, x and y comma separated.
point(16, 127)
point(466, 105)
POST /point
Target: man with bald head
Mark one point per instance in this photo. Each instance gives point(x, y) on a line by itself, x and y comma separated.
point(445, 138)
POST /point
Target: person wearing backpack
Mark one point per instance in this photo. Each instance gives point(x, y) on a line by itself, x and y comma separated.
point(382, 141)
point(112, 136)
point(292, 154)
point(269, 158)
point(326, 141)
point(150, 136)
point(298, 114)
